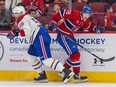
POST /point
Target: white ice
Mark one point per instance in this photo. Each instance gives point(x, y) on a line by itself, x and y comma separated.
point(53, 84)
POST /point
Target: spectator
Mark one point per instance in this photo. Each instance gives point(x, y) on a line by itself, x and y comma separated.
point(84, 1)
point(39, 4)
point(54, 1)
point(79, 1)
point(55, 7)
point(65, 1)
point(109, 18)
point(10, 4)
point(48, 2)
point(5, 16)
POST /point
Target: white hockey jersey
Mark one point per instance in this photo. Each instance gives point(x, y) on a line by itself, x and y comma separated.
point(28, 26)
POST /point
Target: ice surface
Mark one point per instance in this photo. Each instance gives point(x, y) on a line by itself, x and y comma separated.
point(53, 84)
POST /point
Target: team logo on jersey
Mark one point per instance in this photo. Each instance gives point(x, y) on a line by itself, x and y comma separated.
point(74, 46)
point(21, 24)
point(1, 50)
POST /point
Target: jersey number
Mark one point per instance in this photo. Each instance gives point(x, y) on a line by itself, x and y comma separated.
point(36, 21)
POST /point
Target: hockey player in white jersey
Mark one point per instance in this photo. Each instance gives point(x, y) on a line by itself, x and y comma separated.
point(39, 45)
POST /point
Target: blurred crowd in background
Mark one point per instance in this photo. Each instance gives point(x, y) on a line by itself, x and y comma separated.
point(104, 11)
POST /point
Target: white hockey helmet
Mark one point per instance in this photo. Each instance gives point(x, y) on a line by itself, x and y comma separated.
point(19, 9)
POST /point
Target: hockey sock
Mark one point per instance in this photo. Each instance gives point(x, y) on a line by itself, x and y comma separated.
point(74, 61)
point(76, 69)
point(36, 64)
point(66, 64)
point(76, 58)
point(53, 63)
point(74, 65)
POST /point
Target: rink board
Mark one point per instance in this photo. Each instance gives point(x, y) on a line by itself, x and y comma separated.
point(52, 76)
point(14, 63)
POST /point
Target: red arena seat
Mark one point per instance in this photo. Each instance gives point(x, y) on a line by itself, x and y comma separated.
point(98, 19)
point(98, 6)
point(114, 7)
point(78, 6)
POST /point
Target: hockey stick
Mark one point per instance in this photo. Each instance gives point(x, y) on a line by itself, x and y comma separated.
point(104, 60)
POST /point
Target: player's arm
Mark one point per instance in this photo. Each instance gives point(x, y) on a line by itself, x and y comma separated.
point(53, 22)
point(13, 33)
point(62, 15)
point(52, 25)
point(91, 27)
point(98, 29)
point(23, 29)
point(24, 26)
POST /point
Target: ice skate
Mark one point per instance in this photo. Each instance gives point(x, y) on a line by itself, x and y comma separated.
point(79, 79)
point(41, 78)
point(66, 75)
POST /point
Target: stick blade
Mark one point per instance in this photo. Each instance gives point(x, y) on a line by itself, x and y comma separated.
point(109, 59)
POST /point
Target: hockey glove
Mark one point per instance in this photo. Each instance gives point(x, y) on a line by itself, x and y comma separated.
point(52, 26)
point(99, 29)
point(12, 34)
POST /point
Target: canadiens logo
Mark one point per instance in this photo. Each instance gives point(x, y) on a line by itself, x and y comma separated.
point(74, 46)
point(1, 50)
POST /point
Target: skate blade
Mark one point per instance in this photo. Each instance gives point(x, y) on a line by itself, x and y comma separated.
point(41, 81)
point(69, 77)
point(80, 81)
point(59, 75)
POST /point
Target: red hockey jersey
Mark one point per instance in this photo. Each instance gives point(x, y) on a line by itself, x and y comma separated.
point(72, 22)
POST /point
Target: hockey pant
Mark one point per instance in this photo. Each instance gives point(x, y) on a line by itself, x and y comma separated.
point(71, 49)
point(41, 49)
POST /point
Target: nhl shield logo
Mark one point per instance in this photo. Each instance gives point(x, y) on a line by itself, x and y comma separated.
point(1, 50)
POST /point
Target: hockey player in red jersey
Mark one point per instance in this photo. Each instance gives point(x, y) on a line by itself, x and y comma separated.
point(65, 23)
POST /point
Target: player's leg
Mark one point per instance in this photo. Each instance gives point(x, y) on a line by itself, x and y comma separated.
point(67, 46)
point(43, 46)
point(74, 60)
point(37, 64)
point(72, 50)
